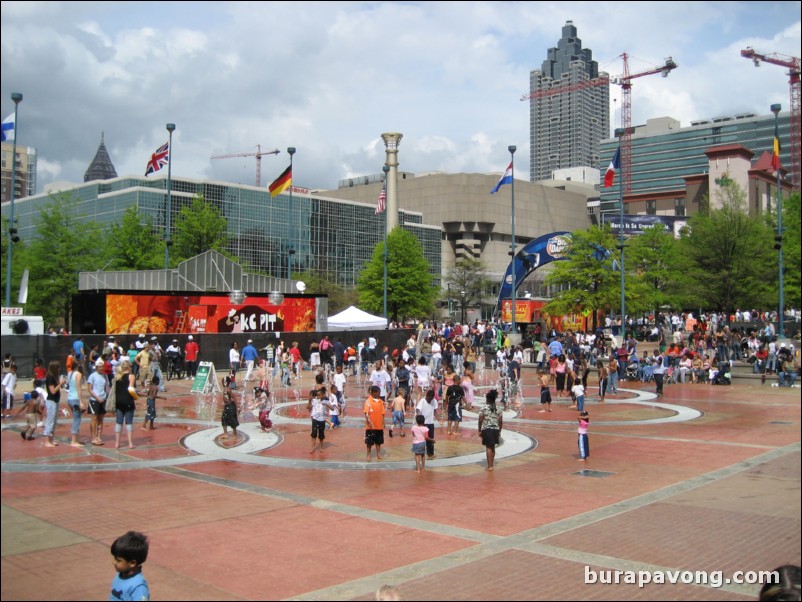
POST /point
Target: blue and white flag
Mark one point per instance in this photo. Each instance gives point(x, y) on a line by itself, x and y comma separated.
point(9, 132)
point(505, 179)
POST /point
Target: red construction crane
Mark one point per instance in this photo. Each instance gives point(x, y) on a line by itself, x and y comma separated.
point(258, 154)
point(625, 81)
point(590, 83)
point(793, 65)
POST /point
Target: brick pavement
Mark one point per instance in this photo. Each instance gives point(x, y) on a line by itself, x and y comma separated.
point(718, 492)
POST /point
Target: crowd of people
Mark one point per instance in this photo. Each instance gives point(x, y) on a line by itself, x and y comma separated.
point(437, 365)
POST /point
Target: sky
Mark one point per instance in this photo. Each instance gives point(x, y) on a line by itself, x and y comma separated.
point(328, 78)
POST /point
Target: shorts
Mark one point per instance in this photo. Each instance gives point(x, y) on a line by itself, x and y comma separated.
point(545, 395)
point(398, 418)
point(419, 448)
point(93, 406)
point(150, 413)
point(455, 414)
point(318, 429)
point(491, 437)
point(376, 435)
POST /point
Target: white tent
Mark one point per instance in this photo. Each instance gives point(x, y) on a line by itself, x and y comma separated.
point(355, 319)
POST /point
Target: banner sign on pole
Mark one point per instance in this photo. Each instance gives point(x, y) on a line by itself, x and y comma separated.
point(205, 378)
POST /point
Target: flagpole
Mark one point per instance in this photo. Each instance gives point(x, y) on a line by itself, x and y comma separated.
point(779, 238)
point(386, 170)
point(291, 250)
point(512, 148)
point(619, 132)
point(168, 239)
point(17, 98)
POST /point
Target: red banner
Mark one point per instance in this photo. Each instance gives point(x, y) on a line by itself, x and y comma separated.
point(530, 310)
point(128, 313)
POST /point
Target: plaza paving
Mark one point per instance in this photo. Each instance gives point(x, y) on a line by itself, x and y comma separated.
point(705, 481)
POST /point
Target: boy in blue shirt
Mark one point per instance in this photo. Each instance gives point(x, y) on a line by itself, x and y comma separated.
point(129, 552)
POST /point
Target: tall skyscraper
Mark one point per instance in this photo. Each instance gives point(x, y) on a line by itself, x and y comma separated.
point(101, 167)
point(569, 109)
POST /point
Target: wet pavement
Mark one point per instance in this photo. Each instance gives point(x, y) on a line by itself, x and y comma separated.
point(696, 487)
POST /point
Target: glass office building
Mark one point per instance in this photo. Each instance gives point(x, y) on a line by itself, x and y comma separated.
point(664, 154)
point(332, 237)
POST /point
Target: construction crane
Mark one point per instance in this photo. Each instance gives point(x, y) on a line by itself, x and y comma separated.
point(793, 65)
point(625, 81)
point(590, 83)
point(258, 154)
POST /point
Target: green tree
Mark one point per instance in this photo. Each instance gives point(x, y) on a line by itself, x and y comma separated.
point(730, 255)
point(198, 228)
point(792, 266)
point(316, 283)
point(67, 245)
point(134, 243)
point(409, 285)
point(657, 268)
point(588, 280)
point(466, 284)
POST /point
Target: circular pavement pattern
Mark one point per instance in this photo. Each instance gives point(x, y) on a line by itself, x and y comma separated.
point(206, 445)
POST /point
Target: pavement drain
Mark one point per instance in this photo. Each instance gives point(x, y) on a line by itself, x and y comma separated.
point(780, 422)
point(598, 474)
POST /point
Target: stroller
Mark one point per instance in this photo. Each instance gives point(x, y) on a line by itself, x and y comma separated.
point(723, 376)
point(632, 371)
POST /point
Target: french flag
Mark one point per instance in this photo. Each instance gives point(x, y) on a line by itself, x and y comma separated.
point(505, 179)
point(615, 165)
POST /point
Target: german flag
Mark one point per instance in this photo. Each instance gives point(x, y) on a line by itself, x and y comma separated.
point(775, 157)
point(281, 183)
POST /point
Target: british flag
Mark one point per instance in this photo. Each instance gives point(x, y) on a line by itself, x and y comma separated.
point(158, 159)
point(382, 199)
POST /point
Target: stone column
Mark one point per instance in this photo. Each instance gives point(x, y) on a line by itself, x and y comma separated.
point(391, 141)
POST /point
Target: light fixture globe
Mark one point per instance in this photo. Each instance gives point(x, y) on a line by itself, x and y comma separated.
point(276, 297)
point(236, 297)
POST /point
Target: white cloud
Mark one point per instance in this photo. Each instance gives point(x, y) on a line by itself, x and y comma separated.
point(329, 78)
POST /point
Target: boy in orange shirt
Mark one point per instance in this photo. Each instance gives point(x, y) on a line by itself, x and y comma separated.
point(374, 421)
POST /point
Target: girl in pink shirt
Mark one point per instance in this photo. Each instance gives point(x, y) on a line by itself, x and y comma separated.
point(584, 446)
point(420, 435)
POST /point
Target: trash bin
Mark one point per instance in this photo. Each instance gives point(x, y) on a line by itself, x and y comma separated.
point(490, 355)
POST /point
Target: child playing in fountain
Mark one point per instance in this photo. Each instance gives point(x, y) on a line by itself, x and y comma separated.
point(230, 411)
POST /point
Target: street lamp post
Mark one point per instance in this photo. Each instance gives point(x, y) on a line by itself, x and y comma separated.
point(512, 148)
point(462, 306)
point(17, 98)
point(619, 132)
point(386, 170)
point(291, 250)
point(775, 108)
point(168, 239)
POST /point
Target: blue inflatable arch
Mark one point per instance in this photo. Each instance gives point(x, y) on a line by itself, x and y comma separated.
point(539, 252)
